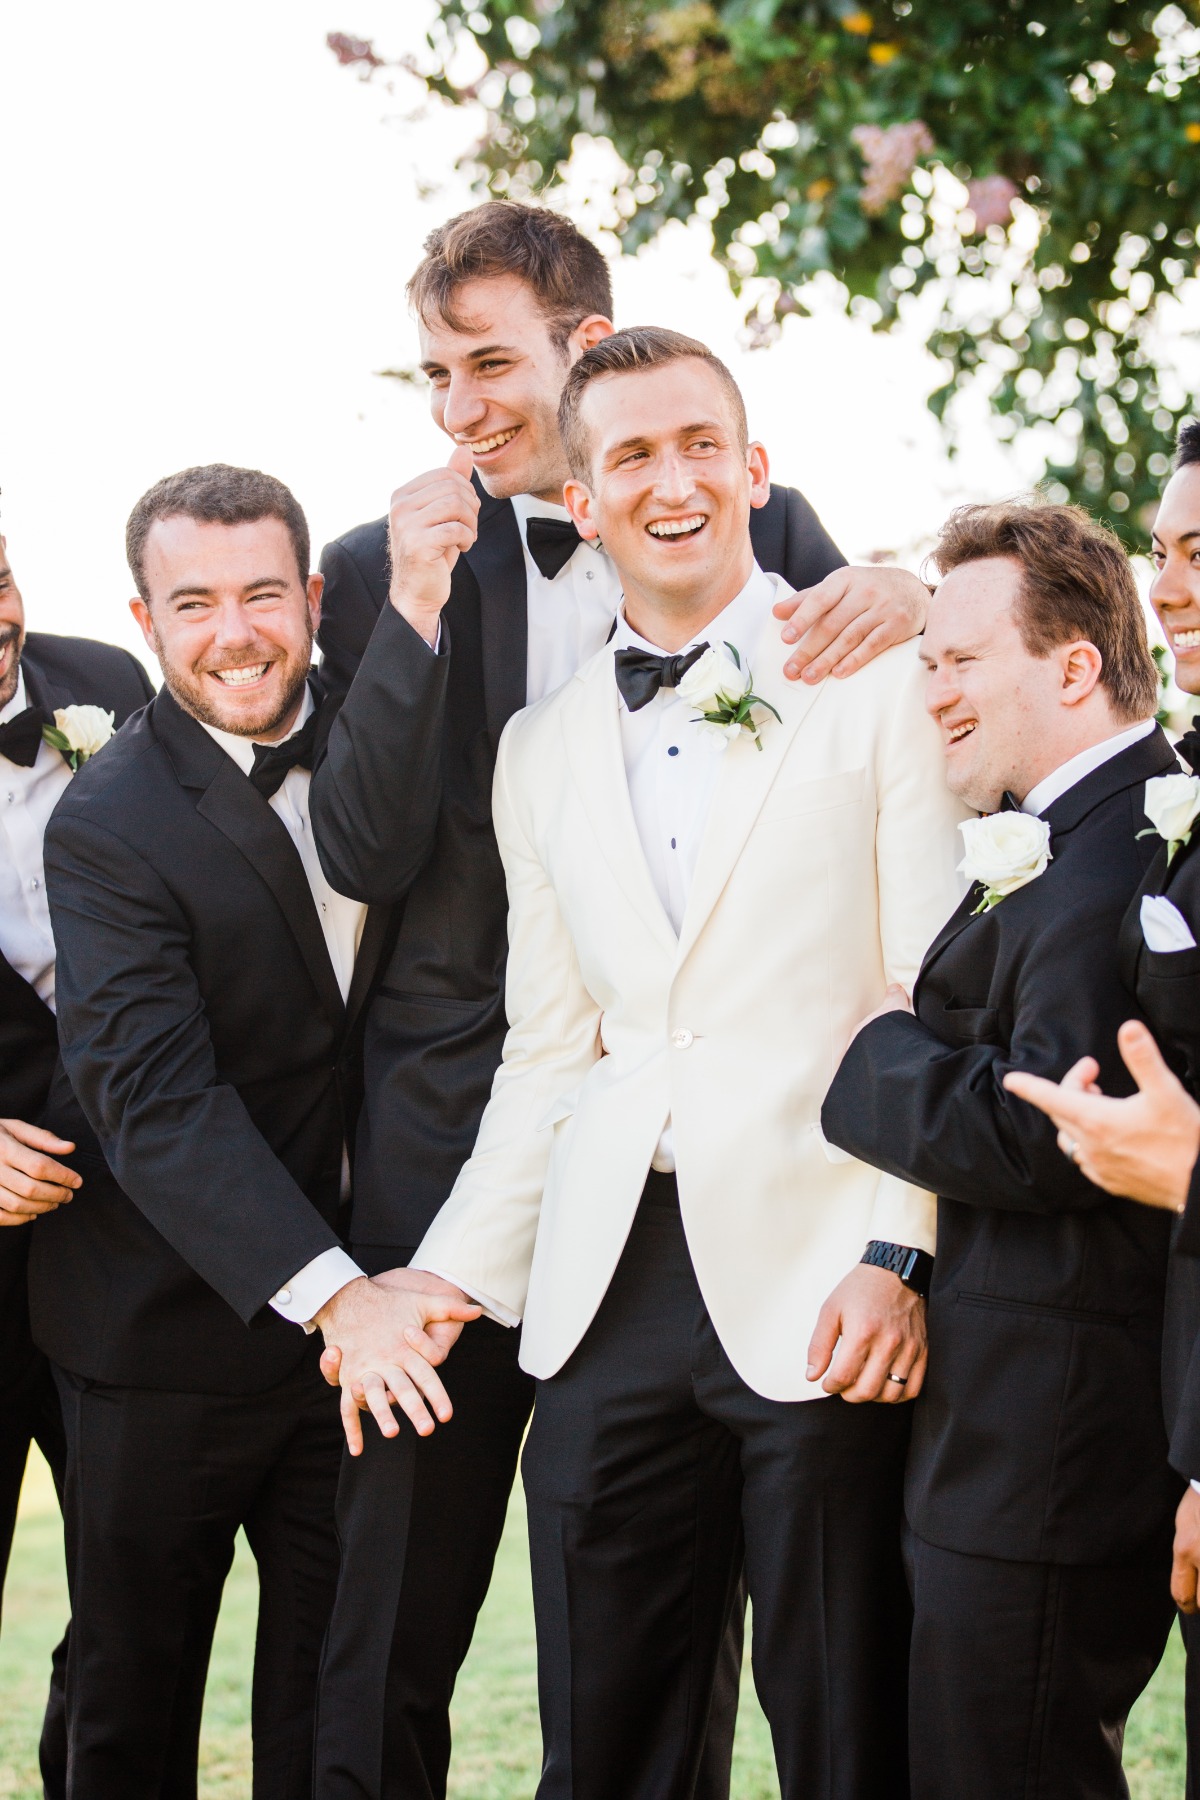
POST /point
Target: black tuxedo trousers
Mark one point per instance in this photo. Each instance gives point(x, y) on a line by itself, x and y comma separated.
point(59, 671)
point(401, 808)
point(1038, 1441)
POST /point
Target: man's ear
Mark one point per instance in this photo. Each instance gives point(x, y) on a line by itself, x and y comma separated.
point(580, 504)
point(141, 613)
point(589, 331)
point(760, 474)
point(315, 588)
point(1082, 665)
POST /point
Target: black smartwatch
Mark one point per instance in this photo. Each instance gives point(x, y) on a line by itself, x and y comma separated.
point(914, 1267)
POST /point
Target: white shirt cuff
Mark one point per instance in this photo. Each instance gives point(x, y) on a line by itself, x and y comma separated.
point(302, 1298)
point(492, 1309)
point(1196, 1486)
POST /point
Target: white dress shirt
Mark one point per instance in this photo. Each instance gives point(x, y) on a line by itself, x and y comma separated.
point(27, 798)
point(672, 767)
point(342, 924)
point(569, 618)
point(1053, 786)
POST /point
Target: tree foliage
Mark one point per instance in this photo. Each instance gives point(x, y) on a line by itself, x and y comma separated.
point(1031, 166)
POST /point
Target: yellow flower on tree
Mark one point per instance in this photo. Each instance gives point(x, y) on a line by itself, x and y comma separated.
point(882, 54)
point(1192, 132)
point(857, 22)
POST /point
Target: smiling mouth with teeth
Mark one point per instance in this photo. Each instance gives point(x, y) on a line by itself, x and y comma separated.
point(1185, 640)
point(482, 446)
point(243, 677)
point(676, 528)
point(956, 733)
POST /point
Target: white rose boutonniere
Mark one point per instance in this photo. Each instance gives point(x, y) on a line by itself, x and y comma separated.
point(79, 731)
point(1172, 803)
point(718, 687)
point(1005, 851)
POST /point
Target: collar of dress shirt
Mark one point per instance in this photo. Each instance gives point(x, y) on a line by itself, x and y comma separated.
point(1053, 786)
point(18, 703)
point(242, 748)
point(740, 623)
point(528, 506)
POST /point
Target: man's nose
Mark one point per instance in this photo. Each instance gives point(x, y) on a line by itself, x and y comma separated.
point(941, 691)
point(463, 406)
point(234, 626)
point(1171, 585)
point(672, 480)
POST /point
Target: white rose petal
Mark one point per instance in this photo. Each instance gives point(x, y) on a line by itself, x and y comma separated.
point(86, 728)
point(1172, 802)
point(717, 735)
point(713, 678)
point(1005, 850)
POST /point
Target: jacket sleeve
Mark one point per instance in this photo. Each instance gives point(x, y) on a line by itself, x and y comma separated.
point(916, 850)
point(376, 793)
point(938, 1113)
point(484, 1235)
point(135, 1042)
point(810, 553)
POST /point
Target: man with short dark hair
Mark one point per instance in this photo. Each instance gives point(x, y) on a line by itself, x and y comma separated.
point(40, 676)
point(210, 988)
point(709, 870)
point(1039, 1497)
point(473, 598)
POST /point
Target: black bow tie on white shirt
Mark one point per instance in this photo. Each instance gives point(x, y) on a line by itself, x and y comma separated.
point(640, 673)
point(272, 762)
point(21, 738)
point(552, 543)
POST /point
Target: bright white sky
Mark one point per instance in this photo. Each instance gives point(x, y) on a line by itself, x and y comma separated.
point(206, 229)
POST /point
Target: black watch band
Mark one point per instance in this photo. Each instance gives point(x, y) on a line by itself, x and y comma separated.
point(914, 1267)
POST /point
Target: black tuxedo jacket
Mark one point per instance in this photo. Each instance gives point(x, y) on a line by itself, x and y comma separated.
point(1038, 1436)
point(213, 1063)
point(1166, 985)
point(402, 811)
point(59, 671)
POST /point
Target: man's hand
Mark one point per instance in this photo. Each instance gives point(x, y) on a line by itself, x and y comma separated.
point(431, 521)
point(1185, 1560)
point(840, 625)
point(1144, 1147)
point(881, 1324)
point(895, 1000)
point(31, 1182)
point(387, 1358)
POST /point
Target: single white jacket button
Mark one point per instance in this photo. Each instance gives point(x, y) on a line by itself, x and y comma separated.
point(681, 1038)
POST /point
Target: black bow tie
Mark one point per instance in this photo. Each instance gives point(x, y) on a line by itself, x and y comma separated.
point(640, 674)
point(1189, 748)
point(21, 738)
point(1010, 803)
point(552, 543)
point(273, 761)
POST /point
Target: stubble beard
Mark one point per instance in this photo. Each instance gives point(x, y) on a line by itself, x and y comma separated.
point(190, 692)
point(10, 634)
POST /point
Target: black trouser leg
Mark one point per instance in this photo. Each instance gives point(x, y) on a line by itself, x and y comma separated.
point(646, 1454)
point(419, 1521)
point(157, 1485)
point(1023, 1674)
point(1189, 1625)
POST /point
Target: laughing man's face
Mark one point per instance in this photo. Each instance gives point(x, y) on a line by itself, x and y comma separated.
point(1175, 590)
point(670, 486)
point(231, 620)
point(12, 629)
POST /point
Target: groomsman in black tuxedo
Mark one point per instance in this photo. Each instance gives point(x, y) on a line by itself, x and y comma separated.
point(507, 298)
point(1039, 1494)
point(39, 675)
point(210, 989)
point(1145, 1147)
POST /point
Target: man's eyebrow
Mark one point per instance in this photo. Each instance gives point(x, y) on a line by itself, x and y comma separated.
point(435, 362)
point(191, 590)
point(4, 570)
point(640, 438)
point(1181, 537)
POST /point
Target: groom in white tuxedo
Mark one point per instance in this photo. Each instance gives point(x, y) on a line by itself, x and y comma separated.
point(702, 909)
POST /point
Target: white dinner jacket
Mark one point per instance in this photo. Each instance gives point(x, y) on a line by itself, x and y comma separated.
point(826, 867)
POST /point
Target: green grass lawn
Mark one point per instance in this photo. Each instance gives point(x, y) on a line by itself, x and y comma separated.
point(495, 1709)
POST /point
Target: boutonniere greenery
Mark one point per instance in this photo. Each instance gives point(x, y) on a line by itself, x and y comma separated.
point(718, 687)
point(78, 732)
point(1005, 851)
point(1172, 803)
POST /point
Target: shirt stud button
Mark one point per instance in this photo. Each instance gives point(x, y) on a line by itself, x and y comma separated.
point(283, 1296)
point(681, 1038)
point(673, 750)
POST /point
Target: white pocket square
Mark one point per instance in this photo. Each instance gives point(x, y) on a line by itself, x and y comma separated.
point(1164, 926)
